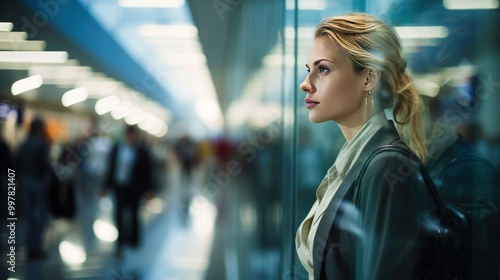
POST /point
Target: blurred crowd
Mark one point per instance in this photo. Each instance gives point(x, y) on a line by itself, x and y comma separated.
point(68, 180)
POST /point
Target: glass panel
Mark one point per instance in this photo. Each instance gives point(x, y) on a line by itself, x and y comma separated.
point(453, 57)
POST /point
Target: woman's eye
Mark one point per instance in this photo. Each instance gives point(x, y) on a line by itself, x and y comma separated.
point(323, 69)
point(308, 70)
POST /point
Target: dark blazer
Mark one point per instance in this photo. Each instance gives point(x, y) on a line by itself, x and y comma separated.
point(141, 177)
point(378, 235)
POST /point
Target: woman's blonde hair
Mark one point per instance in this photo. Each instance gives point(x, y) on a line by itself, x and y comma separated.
point(372, 44)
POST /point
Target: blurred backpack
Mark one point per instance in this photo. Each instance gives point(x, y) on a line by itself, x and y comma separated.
point(467, 182)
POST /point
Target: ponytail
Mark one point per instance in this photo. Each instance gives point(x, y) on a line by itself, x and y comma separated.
point(408, 115)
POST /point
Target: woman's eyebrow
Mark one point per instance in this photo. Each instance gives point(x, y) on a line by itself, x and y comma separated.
point(319, 60)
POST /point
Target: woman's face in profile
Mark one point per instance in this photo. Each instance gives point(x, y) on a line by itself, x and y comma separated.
point(334, 91)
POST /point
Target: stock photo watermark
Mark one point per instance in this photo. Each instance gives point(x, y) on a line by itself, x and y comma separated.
point(40, 19)
point(121, 275)
point(221, 7)
point(463, 109)
point(11, 219)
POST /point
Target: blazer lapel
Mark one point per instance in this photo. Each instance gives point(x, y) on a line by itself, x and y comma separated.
point(385, 135)
point(325, 225)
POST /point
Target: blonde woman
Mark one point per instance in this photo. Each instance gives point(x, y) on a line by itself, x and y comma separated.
point(356, 68)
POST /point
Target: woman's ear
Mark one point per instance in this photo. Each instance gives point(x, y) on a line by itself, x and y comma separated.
point(372, 79)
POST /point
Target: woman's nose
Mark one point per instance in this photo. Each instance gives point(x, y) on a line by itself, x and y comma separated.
point(306, 85)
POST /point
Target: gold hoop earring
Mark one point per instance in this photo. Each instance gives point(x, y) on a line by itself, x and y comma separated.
point(372, 102)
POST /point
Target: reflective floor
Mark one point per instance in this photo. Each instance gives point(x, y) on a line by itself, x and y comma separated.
point(171, 245)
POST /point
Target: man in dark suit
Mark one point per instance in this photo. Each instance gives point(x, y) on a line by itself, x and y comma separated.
point(130, 177)
point(32, 164)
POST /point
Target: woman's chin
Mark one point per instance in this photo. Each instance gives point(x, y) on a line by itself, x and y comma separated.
point(315, 119)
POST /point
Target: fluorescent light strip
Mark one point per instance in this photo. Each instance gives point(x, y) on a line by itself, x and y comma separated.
point(74, 96)
point(184, 59)
point(421, 32)
point(62, 75)
point(419, 42)
point(147, 122)
point(168, 31)
point(177, 42)
point(106, 104)
point(26, 84)
point(20, 45)
point(159, 129)
point(470, 4)
point(121, 110)
point(306, 5)
point(33, 57)
point(173, 49)
point(100, 86)
point(6, 26)
point(135, 116)
point(152, 3)
point(13, 36)
point(27, 66)
point(59, 70)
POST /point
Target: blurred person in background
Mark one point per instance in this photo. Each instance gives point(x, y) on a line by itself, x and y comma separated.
point(186, 152)
point(159, 155)
point(130, 177)
point(356, 68)
point(458, 169)
point(34, 173)
point(223, 152)
point(95, 165)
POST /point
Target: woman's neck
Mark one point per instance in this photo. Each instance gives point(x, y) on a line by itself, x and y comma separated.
point(349, 131)
point(350, 127)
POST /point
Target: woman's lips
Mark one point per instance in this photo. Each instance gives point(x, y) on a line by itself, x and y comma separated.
point(311, 103)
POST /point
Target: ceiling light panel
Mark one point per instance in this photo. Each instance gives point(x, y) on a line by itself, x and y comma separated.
point(19, 45)
point(101, 86)
point(421, 32)
point(174, 46)
point(121, 110)
point(307, 5)
point(184, 59)
point(6, 26)
point(26, 84)
point(53, 74)
point(74, 96)
point(470, 4)
point(168, 31)
point(33, 57)
point(106, 104)
point(28, 65)
point(13, 35)
point(135, 116)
